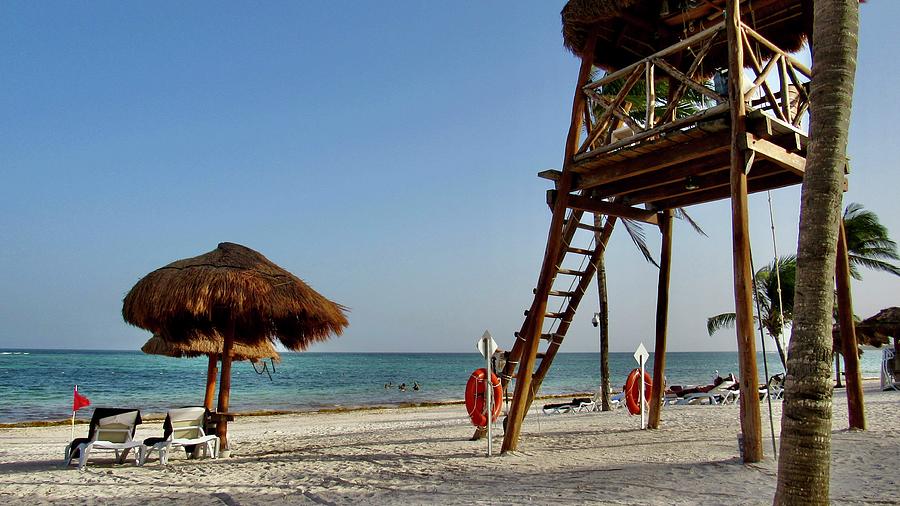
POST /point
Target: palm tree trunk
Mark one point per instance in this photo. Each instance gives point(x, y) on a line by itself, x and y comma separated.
point(604, 326)
point(805, 457)
point(781, 354)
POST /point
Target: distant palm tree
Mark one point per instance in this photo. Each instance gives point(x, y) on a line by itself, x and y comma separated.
point(774, 317)
point(868, 243)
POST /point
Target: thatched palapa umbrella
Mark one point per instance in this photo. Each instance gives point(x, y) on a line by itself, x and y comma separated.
point(210, 346)
point(882, 326)
point(235, 292)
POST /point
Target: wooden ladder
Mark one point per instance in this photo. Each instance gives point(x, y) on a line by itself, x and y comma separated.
point(569, 298)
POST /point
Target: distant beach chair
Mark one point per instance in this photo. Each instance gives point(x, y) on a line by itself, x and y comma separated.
point(725, 392)
point(890, 370)
point(183, 427)
point(579, 404)
point(774, 387)
point(110, 429)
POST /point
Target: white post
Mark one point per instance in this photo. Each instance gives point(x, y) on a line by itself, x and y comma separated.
point(601, 390)
point(643, 426)
point(488, 391)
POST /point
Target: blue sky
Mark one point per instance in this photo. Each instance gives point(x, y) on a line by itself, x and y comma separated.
point(384, 152)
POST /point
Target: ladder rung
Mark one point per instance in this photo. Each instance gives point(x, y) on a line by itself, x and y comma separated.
point(552, 337)
point(545, 337)
point(585, 226)
point(571, 272)
point(554, 315)
point(580, 251)
point(555, 293)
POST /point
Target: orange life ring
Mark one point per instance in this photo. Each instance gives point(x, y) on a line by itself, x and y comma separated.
point(476, 398)
point(632, 390)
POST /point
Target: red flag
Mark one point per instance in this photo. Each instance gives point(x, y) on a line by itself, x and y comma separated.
point(79, 401)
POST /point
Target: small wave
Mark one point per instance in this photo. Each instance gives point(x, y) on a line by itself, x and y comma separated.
point(14, 353)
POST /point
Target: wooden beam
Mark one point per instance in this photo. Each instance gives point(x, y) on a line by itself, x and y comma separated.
point(673, 174)
point(612, 209)
point(653, 132)
point(754, 184)
point(743, 299)
point(601, 125)
point(225, 386)
point(662, 318)
point(519, 405)
point(689, 82)
point(706, 146)
point(211, 371)
point(774, 153)
point(551, 174)
point(855, 406)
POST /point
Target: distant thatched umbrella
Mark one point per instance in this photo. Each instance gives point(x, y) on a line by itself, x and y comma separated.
point(630, 30)
point(875, 331)
point(883, 326)
point(235, 292)
point(210, 346)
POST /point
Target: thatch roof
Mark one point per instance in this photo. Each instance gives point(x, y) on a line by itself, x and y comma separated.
point(209, 345)
point(630, 30)
point(875, 331)
point(232, 283)
point(884, 325)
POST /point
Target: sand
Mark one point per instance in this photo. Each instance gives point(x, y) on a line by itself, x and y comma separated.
point(422, 455)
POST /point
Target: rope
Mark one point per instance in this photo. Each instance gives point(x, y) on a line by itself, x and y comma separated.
point(762, 339)
point(265, 368)
point(777, 274)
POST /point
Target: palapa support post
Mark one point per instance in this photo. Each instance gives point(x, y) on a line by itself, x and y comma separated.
point(662, 318)
point(522, 393)
point(211, 371)
point(743, 299)
point(855, 407)
point(225, 387)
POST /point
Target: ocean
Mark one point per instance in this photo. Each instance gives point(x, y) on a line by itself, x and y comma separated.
point(37, 385)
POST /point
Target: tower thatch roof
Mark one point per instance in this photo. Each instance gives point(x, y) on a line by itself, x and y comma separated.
point(232, 284)
point(209, 345)
point(630, 30)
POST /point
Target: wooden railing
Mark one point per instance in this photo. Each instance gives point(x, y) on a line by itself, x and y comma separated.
point(626, 115)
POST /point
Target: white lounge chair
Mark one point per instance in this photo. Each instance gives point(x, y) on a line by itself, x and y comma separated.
point(774, 387)
point(890, 374)
point(114, 433)
point(720, 394)
point(183, 427)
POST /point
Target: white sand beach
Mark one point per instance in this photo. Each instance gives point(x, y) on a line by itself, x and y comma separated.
point(422, 455)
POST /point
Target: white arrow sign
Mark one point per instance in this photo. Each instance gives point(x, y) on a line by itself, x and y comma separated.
point(486, 339)
point(641, 354)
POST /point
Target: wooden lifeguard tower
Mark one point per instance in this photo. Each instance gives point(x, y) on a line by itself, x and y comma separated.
point(641, 163)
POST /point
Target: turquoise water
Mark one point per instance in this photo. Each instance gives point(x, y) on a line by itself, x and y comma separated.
point(37, 384)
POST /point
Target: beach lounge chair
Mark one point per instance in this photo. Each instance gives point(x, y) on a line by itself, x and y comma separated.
point(890, 372)
point(725, 392)
point(577, 404)
point(773, 387)
point(183, 427)
point(110, 429)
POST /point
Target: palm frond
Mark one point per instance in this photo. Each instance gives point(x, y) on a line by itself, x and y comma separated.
point(636, 232)
point(680, 213)
point(874, 264)
point(721, 321)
